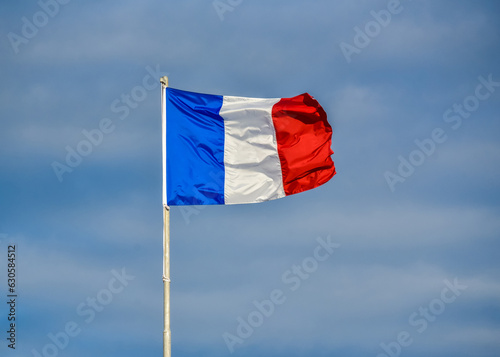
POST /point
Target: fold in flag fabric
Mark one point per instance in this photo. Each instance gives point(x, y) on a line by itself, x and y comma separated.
point(231, 150)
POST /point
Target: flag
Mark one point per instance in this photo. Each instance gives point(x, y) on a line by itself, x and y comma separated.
point(232, 150)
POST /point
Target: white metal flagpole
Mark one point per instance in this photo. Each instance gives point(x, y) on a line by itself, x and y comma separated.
point(167, 338)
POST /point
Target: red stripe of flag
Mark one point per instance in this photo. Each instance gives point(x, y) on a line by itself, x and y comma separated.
point(304, 139)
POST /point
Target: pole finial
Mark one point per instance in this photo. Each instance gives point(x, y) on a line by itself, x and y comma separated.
point(164, 81)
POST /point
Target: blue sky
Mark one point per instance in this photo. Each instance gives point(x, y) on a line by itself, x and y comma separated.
point(412, 91)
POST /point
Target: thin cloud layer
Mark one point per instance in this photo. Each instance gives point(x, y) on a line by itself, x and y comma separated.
point(414, 255)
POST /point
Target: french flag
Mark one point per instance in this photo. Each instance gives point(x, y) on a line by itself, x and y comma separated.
point(232, 150)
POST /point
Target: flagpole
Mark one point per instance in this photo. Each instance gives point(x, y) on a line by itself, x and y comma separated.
point(167, 338)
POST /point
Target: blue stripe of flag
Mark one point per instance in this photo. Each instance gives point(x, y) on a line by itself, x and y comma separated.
point(195, 148)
